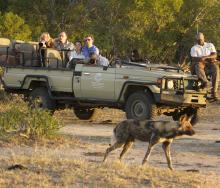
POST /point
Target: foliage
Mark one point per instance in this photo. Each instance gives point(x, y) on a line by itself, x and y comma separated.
point(162, 30)
point(20, 119)
point(14, 27)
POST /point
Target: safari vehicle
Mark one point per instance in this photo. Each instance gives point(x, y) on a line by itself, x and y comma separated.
point(142, 91)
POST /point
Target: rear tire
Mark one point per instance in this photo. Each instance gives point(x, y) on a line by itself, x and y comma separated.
point(39, 98)
point(84, 113)
point(140, 106)
point(195, 113)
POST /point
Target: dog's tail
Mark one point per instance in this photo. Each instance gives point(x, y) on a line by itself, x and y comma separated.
point(113, 138)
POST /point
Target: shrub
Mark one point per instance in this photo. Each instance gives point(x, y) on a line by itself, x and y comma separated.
point(13, 26)
point(16, 117)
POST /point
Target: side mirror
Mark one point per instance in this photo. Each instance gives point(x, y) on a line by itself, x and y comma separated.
point(105, 68)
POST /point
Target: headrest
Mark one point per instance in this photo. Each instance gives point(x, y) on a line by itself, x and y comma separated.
point(4, 42)
point(15, 45)
point(52, 53)
point(27, 47)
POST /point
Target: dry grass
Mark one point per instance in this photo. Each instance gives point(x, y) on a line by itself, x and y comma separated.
point(43, 171)
point(46, 168)
point(57, 142)
point(18, 118)
point(105, 115)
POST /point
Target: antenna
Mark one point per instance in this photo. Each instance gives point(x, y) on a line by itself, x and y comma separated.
point(197, 28)
point(62, 22)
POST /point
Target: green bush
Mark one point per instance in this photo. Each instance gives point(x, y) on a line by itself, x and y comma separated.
point(17, 118)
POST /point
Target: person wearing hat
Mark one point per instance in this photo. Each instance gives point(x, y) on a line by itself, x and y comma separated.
point(203, 63)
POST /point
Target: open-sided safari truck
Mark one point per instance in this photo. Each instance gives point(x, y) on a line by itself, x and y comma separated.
point(142, 91)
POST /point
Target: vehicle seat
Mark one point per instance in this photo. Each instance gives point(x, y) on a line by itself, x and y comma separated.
point(4, 46)
point(53, 58)
point(29, 55)
point(15, 46)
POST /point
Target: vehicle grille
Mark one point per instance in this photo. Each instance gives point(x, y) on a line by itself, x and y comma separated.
point(179, 84)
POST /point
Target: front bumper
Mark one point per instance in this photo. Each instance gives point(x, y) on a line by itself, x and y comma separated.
point(185, 93)
point(187, 99)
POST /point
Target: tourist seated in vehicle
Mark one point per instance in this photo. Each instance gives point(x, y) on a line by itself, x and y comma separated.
point(135, 56)
point(62, 42)
point(89, 46)
point(98, 60)
point(75, 55)
point(64, 45)
point(46, 41)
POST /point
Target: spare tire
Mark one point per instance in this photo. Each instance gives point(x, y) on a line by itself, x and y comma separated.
point(196, 114)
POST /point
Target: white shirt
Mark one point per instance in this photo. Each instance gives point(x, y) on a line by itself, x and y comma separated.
point(200, 51)
point(102, 61)
point(75, 55)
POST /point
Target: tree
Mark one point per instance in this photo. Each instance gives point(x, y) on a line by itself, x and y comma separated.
point(162, 30)
point(12, 26)
point(198, 14)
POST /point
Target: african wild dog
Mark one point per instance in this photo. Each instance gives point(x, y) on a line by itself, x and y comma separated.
point(153, 132)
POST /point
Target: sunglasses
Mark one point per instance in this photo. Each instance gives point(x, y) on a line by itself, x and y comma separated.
point(88, 39)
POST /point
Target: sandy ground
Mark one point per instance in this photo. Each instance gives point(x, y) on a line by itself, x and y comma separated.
point(200, 153)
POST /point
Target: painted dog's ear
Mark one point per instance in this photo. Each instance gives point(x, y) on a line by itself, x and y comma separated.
point(183, 118)
point(189, 118)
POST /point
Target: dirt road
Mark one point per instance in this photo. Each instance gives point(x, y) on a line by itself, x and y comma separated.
point(200, 152)
point(75, 160)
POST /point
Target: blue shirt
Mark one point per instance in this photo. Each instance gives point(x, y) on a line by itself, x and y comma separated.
point(86, 51)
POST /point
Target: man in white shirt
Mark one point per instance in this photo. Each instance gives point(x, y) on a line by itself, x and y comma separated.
point(203, 63)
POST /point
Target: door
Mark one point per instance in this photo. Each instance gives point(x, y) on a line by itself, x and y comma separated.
point(97, 83)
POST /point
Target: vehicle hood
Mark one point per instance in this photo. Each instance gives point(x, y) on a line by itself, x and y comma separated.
point(151, 72)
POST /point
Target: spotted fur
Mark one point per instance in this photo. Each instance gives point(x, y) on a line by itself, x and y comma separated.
point(153, 132)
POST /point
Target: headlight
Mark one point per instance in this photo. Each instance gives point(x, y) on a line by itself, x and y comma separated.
point(170, 84)
point(199, 83)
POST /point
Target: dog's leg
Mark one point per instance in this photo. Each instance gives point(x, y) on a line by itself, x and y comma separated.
point(111, 148)
point(153, 141)
point(127, 145)
point(166, 148)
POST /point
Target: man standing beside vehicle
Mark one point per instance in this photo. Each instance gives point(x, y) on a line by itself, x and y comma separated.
point(203, 63)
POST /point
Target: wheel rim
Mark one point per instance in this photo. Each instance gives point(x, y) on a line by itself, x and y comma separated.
point(138, 109)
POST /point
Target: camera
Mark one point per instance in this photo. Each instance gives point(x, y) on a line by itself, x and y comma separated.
point(42, 44)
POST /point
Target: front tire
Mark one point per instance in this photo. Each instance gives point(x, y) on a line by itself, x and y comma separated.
point(39, 98)
point(84, 113)
point(140, 106)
